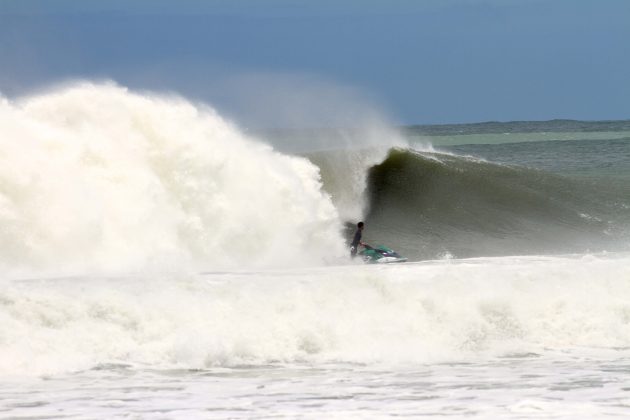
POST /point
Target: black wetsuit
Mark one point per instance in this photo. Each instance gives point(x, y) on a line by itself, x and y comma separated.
point(354, 246)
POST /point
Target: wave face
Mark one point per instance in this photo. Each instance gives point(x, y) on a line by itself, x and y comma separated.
point(94, 177)
point(412, 313)
point(429, 205)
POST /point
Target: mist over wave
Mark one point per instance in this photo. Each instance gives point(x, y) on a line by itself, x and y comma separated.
point(344, 177)
point(95, 177)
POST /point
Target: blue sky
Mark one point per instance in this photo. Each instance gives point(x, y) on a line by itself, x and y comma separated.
point(263, 62)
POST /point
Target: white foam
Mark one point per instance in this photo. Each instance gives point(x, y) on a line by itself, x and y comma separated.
point(412, 313)
point(95, 177)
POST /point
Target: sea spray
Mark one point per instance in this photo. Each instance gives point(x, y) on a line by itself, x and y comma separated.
point(95, 177)
point(344, 176)
point(345, 170)
point(344, 156)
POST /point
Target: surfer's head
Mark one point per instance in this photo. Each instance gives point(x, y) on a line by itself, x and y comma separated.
point(360, 225)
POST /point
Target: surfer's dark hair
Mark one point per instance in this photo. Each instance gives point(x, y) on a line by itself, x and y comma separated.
point(360, 224)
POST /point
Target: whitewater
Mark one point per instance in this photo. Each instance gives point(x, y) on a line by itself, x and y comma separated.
point(159, 262)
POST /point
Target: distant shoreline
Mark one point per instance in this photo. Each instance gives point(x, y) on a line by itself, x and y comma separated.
point(558, 125)
point(488, 127)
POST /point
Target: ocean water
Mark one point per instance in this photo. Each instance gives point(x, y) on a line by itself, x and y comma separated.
point(158, 262)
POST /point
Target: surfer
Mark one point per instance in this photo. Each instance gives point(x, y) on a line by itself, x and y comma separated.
point(354, 246)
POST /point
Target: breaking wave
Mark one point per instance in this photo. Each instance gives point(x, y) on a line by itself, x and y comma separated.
point(95, 177)
point(428, 204)
point(126, 189)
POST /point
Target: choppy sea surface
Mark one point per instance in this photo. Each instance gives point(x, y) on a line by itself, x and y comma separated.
point(521, 386)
